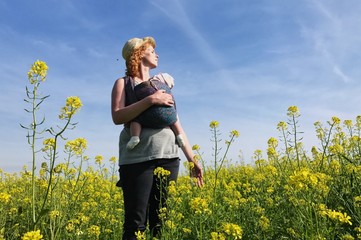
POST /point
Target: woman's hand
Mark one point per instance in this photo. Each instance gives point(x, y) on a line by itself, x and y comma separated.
point(160, 97)
point(197, 173)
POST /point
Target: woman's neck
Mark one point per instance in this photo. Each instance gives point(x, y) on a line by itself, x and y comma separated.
point(144, 74)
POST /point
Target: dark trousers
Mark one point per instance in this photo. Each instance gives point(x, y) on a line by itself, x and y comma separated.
point(142, 195)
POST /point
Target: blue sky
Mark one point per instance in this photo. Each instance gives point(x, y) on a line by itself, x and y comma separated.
point(240, 62)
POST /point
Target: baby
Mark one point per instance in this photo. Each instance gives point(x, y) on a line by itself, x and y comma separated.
point(155, 116)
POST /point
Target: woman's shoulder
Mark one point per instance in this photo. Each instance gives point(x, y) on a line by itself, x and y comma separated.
point(123, 81)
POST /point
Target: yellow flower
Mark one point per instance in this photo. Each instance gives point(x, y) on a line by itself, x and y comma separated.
point(4, 198)
point(49, 144)
point(335, 149)
point(161, 172)
point(335, 166)
point(72, 105)
point(234, 133)
point(113, 159)
point(334, 215)
point(94, 230)
point(54, 214)
point(335, 120)
point(348, 123)
point(196, 147)
point(264, 223)
point(172, 190)
point(76, 146)
point(38, 70)
point(33, 235)
point(199, 206)
point(272, 142)
point(217, 236)
point(281, 126)
point(293, 111)
point(214, 124)
point(292, 232)
point(140, 235)
point(358, 231)
point(170, 224)
point(71, 225)
point(347, 237)
point(233, 230)
point(357, 201)
point(341, 217)
point(98, 159)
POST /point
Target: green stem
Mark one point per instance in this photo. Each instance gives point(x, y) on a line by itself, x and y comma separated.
point(51, 171)
point(225, 154)
point(286, 146)
point(326, 144)
point(215, 162)
point(33, 139)
point(295, 140)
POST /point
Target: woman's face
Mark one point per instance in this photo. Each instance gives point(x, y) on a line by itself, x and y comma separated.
point(150, 58)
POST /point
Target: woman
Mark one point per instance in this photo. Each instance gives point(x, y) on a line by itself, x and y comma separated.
point(157, 147)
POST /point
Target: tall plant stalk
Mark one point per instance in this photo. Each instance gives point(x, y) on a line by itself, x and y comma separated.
point(36, 75)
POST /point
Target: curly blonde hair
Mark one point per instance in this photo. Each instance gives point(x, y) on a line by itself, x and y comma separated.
point(134, 60)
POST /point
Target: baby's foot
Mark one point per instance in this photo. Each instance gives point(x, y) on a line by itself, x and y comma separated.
point(133, 142)
point(180, 140)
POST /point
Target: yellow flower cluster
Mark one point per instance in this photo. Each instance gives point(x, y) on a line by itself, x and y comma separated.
point(264, 223)
point(196, 147)
point(161, 172)
point(234, 133)
point(233, 230)
point(293, 111)
point(199, 206)
point(49, 144)
point(4, 198)
point(217, 236)
point(98, 159)
point(76, 146)
point(282, 125)
point(37, 72)
point(334, 215)
point(214, 124)
point(33, 235)
point(94, 230)
point(54, 214)
point(357, 201)
point(140, 235)
point(72, 105)
point(335, 120)
point(305, 179)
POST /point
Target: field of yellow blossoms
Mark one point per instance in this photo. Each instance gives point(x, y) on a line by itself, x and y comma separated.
point(286, 193)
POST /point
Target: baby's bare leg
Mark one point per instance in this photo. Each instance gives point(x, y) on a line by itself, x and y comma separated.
point(135, 129)
point(177, 129)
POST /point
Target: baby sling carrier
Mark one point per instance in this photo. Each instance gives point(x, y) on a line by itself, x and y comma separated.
point(156, 116)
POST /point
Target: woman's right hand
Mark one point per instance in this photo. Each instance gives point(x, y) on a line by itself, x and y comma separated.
point(197, 173)
point(160, 97)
